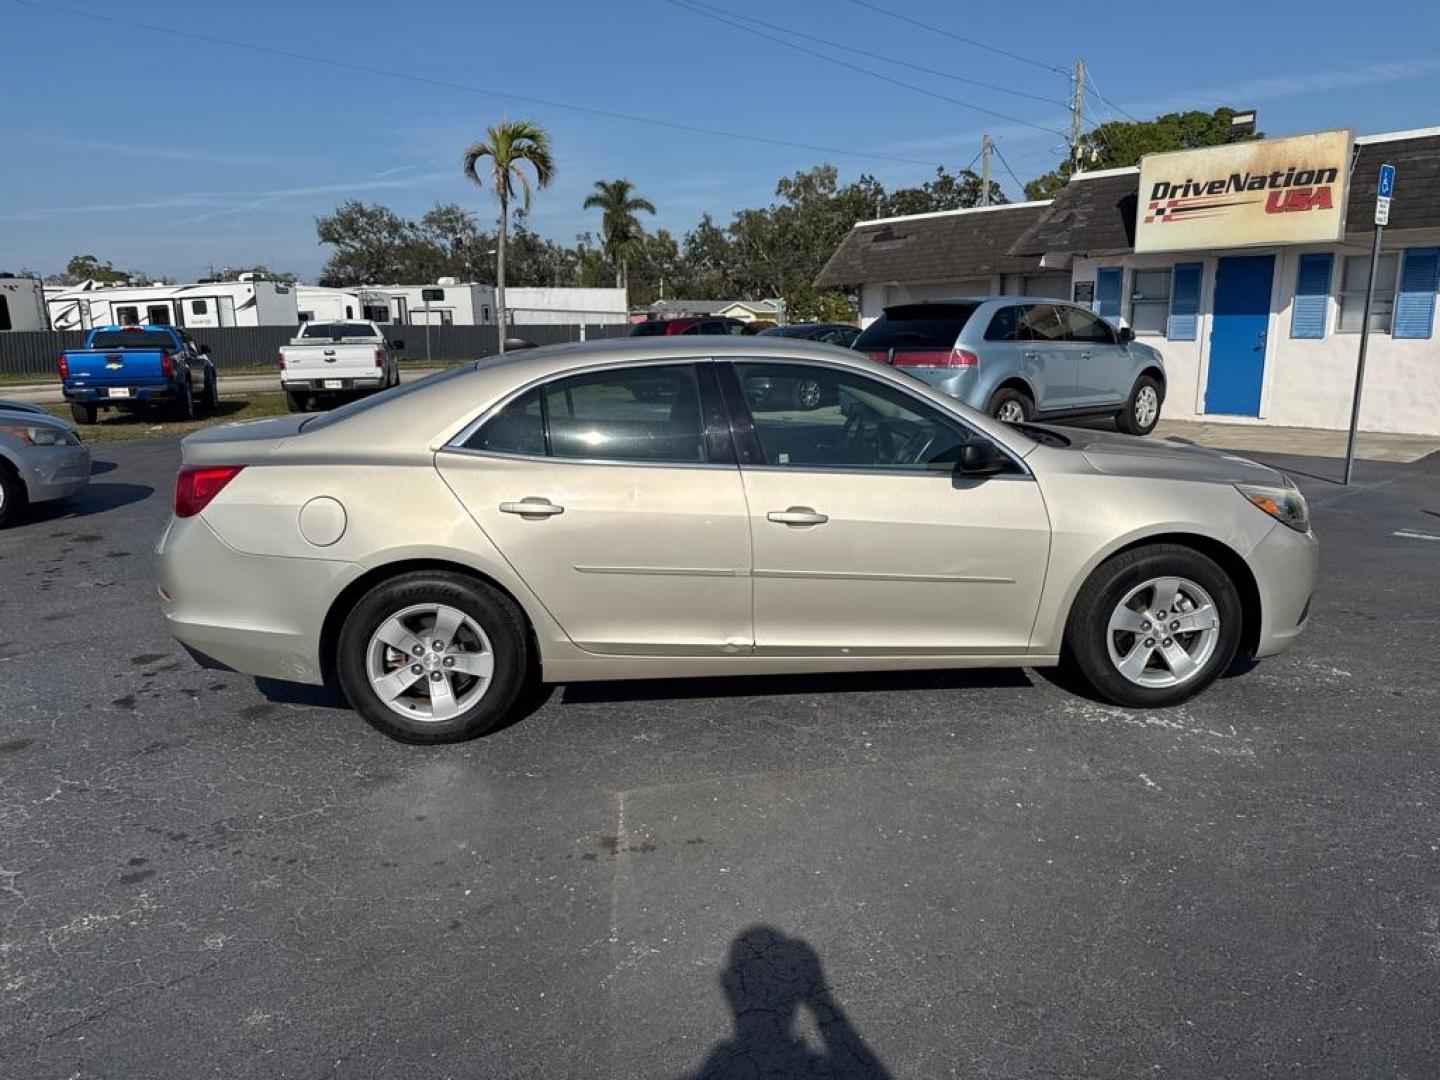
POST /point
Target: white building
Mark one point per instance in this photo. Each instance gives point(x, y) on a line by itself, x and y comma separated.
point(553, 305)
point(1258, 321)
point(22, 303)
point(209, 304)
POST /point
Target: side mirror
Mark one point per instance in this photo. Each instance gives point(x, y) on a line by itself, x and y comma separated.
point(981, 457)
point(204, 350)
point(397, 345)
point(1126, 335)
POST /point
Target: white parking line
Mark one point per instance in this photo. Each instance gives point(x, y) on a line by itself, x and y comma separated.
point(1411, 534)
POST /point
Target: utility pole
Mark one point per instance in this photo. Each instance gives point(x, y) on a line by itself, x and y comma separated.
point(1077, 110)
point(985, 170)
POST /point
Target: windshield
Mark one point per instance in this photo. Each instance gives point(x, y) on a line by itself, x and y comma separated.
point(916, 326)
point(132, 339)
point(338, 330)
point(365, 404)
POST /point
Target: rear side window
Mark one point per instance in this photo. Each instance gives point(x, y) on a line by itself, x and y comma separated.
point(1003, 325)
point(519, 428)
point(916, 326)
point(649, 328)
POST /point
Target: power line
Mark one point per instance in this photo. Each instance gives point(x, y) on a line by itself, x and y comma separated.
point(1001, 155)
point(695, 5)
point(290, 54)
point(960, 37)
point(863, 70)
point(1113, 107)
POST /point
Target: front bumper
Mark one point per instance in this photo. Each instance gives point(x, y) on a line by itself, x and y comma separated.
point(1286, 564)
point(53, 472)
point(258, 614)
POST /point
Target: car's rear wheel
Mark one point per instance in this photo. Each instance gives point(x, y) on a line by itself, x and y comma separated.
point(1142, 409)
point(807, 395)
point(83, 414)
point(1154, 626)
point(12, 495)
point(185, 402)
point(295, 402)
point(212, 392)
point(1010, 406)
point(432, 657)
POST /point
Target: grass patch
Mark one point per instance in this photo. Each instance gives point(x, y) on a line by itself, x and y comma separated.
point(125, 426)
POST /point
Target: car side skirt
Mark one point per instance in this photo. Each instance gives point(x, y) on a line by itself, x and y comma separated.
point(596, 669)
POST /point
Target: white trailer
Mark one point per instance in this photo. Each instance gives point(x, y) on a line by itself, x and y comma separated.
point(547, 305)
point(207, 304)
point(446, 303)
point(22, 303)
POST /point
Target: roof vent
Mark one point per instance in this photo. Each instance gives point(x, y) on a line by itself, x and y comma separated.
point(446, 281)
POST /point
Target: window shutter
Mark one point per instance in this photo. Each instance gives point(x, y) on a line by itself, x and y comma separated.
point(1185, 302)
point(1108, 280)
point(1415, 304)
point(1312, 295)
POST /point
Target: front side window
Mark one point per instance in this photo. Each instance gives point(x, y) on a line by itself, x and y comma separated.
point(1040, 322)
point(816, 417)
point(1150, 301)
point(1352, 293)
point(1085, 328)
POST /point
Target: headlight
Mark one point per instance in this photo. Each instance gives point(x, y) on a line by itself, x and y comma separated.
point(38, 436)
point(1285, 504)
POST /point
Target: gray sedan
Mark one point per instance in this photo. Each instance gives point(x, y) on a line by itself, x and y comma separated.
point(41, 458)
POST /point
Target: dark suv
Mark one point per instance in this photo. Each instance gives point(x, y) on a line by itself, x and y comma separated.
point(690, 324)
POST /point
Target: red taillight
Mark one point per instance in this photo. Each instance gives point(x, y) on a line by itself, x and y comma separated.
point(379, 358)
point(64, 366)
point(962, 358)
point(941, 358)
point(196, 485)
point(167, 364)
point(280, 360)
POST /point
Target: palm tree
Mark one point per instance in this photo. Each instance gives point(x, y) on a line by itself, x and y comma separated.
point(618, 223)
point(508, 145)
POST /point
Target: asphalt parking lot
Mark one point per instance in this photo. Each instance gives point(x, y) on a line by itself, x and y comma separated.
point(971, 874)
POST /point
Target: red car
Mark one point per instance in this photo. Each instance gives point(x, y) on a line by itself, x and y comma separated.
point(690, 324)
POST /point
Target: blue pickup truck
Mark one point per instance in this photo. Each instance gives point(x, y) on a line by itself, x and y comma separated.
point(132, 367)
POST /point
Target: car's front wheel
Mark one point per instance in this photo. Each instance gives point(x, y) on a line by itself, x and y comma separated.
point(295, 402)
point(12, 495)
point(1142, 409)
point(1154, 626)
point(432, 657)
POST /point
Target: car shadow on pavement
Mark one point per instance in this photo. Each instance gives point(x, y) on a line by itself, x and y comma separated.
point(857, 682)
point(100, 468)
point(93, 499)
point(768, 979)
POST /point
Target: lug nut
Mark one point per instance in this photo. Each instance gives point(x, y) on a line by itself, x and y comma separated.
point(1145, 625)
point(449, 661)
point(1168, 642)
point(416, 669)
point(1149, 643)
point(1175, 625)
point(435, 676)
point(419, 650)
point(439, 646)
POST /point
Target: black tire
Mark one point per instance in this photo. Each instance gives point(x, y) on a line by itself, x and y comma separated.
point(1086, 652)
point(1009, 396)
point(1128, 419)
point(13, 495)
point(83, 414)
point(212, 393)
point(496, 614)
point(185, 402)
point(295, 402)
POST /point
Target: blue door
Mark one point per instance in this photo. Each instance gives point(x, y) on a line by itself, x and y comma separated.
point(1238, 335)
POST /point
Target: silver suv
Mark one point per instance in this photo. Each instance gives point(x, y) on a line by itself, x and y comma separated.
point(1023, 358)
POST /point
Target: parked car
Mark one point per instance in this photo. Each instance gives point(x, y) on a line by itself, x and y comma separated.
point(132, 367)
point(689, 324)
point(1022, 358)
point(529, 513)
point(330, 361)
point(42, 458)
point(827, 333)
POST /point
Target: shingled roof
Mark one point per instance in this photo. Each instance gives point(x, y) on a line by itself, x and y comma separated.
point(933, 247)
point(1095, 212)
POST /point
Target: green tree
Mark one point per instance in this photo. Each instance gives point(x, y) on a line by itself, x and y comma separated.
point(89, 268)
point(509, 146)
point(463, 246)
point(260, 270)
point(1120, 144)
point(372, 243)
point(624, 238)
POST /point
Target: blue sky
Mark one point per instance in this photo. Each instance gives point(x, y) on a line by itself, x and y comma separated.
point(166, 154)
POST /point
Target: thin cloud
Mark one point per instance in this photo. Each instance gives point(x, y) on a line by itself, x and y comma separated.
point(155, 152)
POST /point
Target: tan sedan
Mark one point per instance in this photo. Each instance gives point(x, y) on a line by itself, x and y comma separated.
point(664, 507)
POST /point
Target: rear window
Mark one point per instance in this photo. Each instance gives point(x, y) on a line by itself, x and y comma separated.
point(649, 328)
point(916, 326)
point(336, 331)
point(132, 339)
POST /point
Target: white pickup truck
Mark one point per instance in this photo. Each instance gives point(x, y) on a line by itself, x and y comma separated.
point(331, 360)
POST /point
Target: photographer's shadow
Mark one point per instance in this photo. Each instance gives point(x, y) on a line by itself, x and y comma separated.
point(768, 979)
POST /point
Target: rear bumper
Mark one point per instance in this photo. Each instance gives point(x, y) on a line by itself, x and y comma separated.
point(963, 384)
point(258, 614)
point(53, 472)
point(100, 395)
point(1286, 564)
point(347, 382)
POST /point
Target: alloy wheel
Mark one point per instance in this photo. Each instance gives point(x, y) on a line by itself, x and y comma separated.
point(1010, 412)
point(429, 662)
point(1163, 632)
point(1147, 406)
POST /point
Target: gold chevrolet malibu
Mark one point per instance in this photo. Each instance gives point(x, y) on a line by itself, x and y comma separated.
point(657, 508)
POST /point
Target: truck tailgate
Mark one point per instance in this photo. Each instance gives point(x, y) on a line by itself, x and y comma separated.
point(114, 367)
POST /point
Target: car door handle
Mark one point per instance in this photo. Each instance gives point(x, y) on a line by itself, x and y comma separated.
point(532, 507)
point(797, 515)
point(1031, 354)
point(1085, 356)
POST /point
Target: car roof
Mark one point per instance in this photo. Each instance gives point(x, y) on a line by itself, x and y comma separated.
point(1000, 300)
